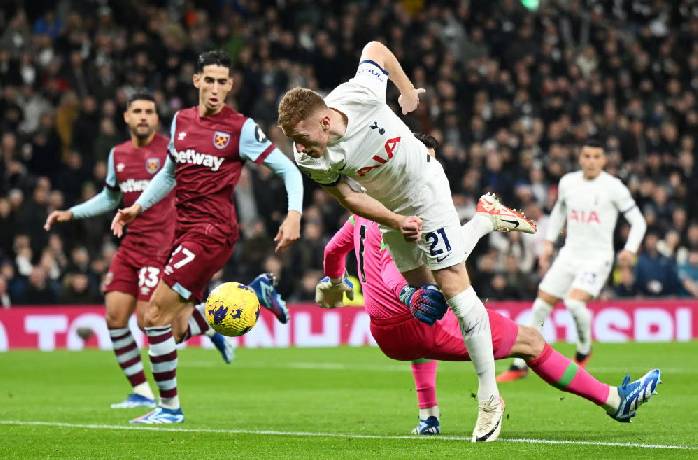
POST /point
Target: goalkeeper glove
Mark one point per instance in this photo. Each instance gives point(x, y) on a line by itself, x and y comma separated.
point(329, 293)
point(426, 303)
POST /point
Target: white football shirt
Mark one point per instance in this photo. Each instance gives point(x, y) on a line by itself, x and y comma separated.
point(591, 209)
point(380, 152)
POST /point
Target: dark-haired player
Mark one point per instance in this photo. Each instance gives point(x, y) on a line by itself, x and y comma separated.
point(209, 144)
point(136, 267)
point(589, 201)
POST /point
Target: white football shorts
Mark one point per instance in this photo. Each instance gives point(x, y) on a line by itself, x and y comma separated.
point(442, 243)
point(576, 271)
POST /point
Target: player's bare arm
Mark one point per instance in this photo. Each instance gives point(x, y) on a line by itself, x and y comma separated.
point(124, 217)
point(289, 231)
point(57, 216)
point(365, 206)
point(381, 55)
point(105, 201)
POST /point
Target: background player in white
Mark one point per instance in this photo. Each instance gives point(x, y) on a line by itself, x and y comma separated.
point(352, 142)
point(589, 201)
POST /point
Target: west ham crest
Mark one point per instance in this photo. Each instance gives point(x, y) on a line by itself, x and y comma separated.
point(152, 165)
point(221, 140)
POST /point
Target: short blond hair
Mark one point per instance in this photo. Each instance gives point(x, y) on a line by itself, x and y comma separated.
point(297, 105)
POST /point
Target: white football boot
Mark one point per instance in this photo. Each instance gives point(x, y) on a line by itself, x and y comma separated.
point(489, 420)
point(504, 219)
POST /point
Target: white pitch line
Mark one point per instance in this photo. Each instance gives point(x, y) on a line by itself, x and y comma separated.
point(310, 434)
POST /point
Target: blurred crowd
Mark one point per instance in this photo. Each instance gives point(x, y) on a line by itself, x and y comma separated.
point(511, 94)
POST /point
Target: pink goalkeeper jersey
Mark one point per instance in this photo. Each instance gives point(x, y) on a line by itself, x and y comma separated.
point(380, 279)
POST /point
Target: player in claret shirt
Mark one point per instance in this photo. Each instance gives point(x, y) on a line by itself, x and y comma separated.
point(209, 144)
point(136, 267)
point(590, 201)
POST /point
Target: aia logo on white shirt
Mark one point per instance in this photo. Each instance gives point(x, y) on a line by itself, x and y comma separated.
point(584, 217)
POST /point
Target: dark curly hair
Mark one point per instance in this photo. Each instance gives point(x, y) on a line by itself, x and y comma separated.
point(428, 140)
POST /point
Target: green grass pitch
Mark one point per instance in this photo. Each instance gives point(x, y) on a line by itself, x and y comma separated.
point(334, 403)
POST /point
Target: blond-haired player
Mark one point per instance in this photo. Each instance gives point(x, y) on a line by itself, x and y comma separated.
point(362, 153)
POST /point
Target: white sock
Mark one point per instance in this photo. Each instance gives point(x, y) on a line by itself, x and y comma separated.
point(143, 389)
point(539, 313)
point(428, 412)
point(202, 309)
point(582, 317)
point(474, 230)
point(197, 324)
point(170, 403)
point(613, 400)
point(475, 327)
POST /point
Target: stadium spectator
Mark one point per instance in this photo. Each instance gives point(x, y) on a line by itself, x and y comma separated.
point(688, 273)
point(626, 286)
point(37, 291)
point(655, 273)
point(76, 290)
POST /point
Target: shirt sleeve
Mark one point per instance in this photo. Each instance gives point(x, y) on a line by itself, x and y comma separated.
point(173, 127)
point(557, 216)
point(372, 78)
point(622, 199)
point(283, 167)
point(110, 180)
point(107, 200)
point(638, 226)
point(336, 250)
point(254, 144)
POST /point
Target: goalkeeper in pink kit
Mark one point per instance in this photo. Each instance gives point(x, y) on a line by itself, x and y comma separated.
point(414, 324)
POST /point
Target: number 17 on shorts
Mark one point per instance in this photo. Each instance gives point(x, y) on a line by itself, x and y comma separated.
point(193, 264)
point(179, 258)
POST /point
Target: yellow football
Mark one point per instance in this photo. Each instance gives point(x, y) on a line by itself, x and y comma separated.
point(232, 309)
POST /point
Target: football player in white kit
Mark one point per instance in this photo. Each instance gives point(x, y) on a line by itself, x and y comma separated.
point(362, 153)
point(590, 201)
